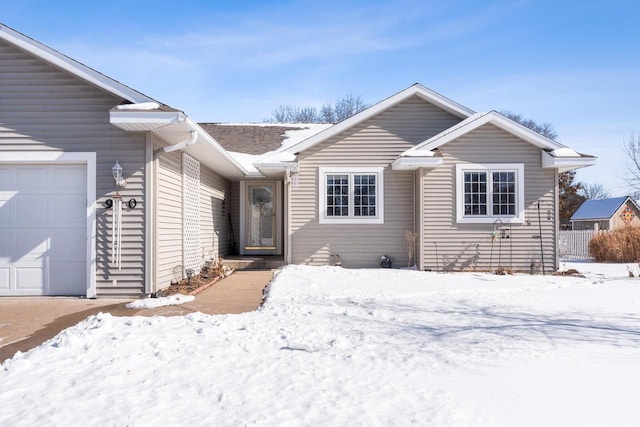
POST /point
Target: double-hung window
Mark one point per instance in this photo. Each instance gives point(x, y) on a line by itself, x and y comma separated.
point(351, 195)
point(487, 192)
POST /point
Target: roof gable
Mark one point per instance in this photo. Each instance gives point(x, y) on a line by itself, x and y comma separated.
point(414, 90)
point(600, 208)
point(480, 119)
point(70, 65)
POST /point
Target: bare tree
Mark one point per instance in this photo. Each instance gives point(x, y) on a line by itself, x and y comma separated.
point(292, 114)
point(632, 150)
point(348, 106)
point(544, 129)
point(329, 113)
point(593, 191)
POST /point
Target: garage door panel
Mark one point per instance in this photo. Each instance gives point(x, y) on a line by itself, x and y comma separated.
point(5, 273)
point(7, 209)
point(6, 247)
point(31, 211)
point(65, 180)
point(31, 245)
point(70, 277)
point(69, 211)
point(67, 245)
point(32, 178)
point(31, 279)
point(7, 179)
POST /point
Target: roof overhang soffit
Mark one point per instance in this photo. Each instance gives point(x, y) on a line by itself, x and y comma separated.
point(176, 128)
point(143, 121)
point(565, 164)
point(413, 163)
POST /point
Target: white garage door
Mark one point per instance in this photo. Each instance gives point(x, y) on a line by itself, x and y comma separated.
point(43, 230)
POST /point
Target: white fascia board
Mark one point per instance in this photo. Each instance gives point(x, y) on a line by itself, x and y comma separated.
point(71, 66)
point(564, 164)
point(416, 89)
point(441, 101)
point(275, 165)
point(413, 163)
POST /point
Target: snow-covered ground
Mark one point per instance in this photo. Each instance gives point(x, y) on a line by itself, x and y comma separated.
point(344, 347)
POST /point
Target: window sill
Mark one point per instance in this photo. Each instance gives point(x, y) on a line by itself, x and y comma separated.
point(491, 220)
point(351, 221)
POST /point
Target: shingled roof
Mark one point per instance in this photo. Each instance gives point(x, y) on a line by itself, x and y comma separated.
point(256, 138)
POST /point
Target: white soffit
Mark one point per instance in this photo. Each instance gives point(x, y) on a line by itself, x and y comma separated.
point(413, 163)
point(141, 121)
point(564, 164)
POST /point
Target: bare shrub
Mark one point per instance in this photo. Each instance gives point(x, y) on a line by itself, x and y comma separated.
point(622, 245)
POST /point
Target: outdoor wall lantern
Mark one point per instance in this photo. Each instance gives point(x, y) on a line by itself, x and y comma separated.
point(117, 175)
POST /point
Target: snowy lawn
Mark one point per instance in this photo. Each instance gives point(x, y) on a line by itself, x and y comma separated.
point(344, 347)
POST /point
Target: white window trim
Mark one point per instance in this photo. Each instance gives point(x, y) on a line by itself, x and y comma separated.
point(518, 168)
point(322, 200)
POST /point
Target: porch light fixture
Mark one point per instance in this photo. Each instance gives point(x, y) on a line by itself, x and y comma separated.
point(117, 175)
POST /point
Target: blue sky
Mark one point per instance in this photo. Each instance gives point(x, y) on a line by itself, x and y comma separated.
point(573, 64)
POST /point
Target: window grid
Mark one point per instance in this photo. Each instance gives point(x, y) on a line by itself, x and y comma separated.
point(504, 193)
point(364, 190)
point(337, 195)
point(493, 191)
point(351, 195)
point(475, 193)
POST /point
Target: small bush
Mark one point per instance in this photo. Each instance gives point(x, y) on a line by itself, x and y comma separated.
point(622, 245)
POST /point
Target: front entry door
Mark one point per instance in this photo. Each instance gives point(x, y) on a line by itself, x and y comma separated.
point(262, 218)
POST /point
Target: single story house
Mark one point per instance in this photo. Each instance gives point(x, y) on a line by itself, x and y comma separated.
point(606, 214)
point(106, 191)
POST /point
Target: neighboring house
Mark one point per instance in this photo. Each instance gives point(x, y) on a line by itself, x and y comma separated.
point(606, 214)
point(462, 182)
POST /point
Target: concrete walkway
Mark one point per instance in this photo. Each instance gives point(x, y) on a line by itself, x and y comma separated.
point(27, 322)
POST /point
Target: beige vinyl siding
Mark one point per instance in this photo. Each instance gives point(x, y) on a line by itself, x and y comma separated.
point(168, 215)
point(214, 225)
point(43, 108)
point(376, 142)
point(215, 236)
point(469, 246)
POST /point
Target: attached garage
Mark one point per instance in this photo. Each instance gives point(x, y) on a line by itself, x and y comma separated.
point(45, 229)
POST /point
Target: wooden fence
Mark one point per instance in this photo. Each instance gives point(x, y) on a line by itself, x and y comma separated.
point(574, 244)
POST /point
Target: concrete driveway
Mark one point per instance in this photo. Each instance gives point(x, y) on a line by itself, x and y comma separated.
point(27, 322)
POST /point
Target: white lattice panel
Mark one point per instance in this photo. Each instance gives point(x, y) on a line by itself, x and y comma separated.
point(192, 257)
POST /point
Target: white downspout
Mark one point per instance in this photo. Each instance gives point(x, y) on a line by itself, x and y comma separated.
point(181, 145)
